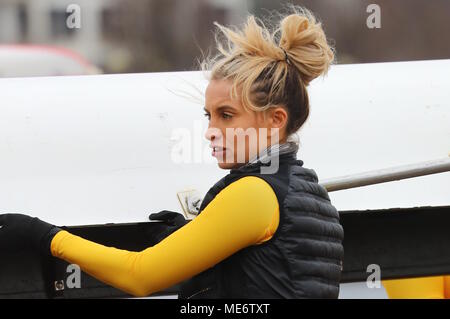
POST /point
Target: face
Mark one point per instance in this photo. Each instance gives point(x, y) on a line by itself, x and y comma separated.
point(236, 135)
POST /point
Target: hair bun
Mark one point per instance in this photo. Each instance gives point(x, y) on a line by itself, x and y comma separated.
point(303, 38)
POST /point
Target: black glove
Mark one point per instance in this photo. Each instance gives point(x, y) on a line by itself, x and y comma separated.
point(19, 232)
point(172, 222)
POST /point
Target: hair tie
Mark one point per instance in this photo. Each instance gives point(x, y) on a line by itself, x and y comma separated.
point(285, 56)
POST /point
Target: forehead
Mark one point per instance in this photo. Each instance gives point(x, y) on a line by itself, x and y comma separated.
point(217, 91)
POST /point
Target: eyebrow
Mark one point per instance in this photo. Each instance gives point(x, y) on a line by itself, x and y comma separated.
point(222, 107)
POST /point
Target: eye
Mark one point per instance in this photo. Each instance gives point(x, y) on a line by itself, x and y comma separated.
point(227, 116)
point(207, 116)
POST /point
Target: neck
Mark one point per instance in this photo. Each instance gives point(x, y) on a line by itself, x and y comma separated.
point(280, 149)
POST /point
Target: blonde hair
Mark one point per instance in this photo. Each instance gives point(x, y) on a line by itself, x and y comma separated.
point(273, 67)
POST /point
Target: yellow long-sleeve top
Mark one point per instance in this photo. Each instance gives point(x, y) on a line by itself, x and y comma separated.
point(435, 287)
point(244, 213)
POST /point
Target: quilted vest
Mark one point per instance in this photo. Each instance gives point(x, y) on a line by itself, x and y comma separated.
point(303, 259)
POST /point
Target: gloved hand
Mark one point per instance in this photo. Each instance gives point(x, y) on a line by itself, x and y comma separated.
point(19, 232)
point(172, 222)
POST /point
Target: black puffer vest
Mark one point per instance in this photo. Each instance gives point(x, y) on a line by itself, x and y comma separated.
point(303, 259)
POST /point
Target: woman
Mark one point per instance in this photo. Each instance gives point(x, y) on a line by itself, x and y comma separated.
point(267, 229)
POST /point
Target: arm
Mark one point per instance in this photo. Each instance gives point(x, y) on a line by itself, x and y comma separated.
point(243, 214)
point(415, 288)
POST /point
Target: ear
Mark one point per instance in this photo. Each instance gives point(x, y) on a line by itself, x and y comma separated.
point(278, 118)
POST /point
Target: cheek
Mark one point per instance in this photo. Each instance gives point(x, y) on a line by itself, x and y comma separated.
point(240, 146)
point(245, 144)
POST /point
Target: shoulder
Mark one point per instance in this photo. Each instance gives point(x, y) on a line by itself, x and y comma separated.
point(252, 184)
point(252, 202)
point(249, 194)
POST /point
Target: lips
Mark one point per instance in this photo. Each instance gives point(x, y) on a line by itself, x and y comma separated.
point(217, 150)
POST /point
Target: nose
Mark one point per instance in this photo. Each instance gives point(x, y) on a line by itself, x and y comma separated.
point(212, 133)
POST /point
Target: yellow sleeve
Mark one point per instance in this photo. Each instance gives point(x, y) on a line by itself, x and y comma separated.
point(415, 288)
point(447, 287)
point(244, 213)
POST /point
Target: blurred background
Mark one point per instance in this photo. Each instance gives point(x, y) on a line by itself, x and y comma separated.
point(123, 36)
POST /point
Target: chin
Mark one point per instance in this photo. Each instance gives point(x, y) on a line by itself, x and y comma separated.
point(229, 165)
point(226, 165)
